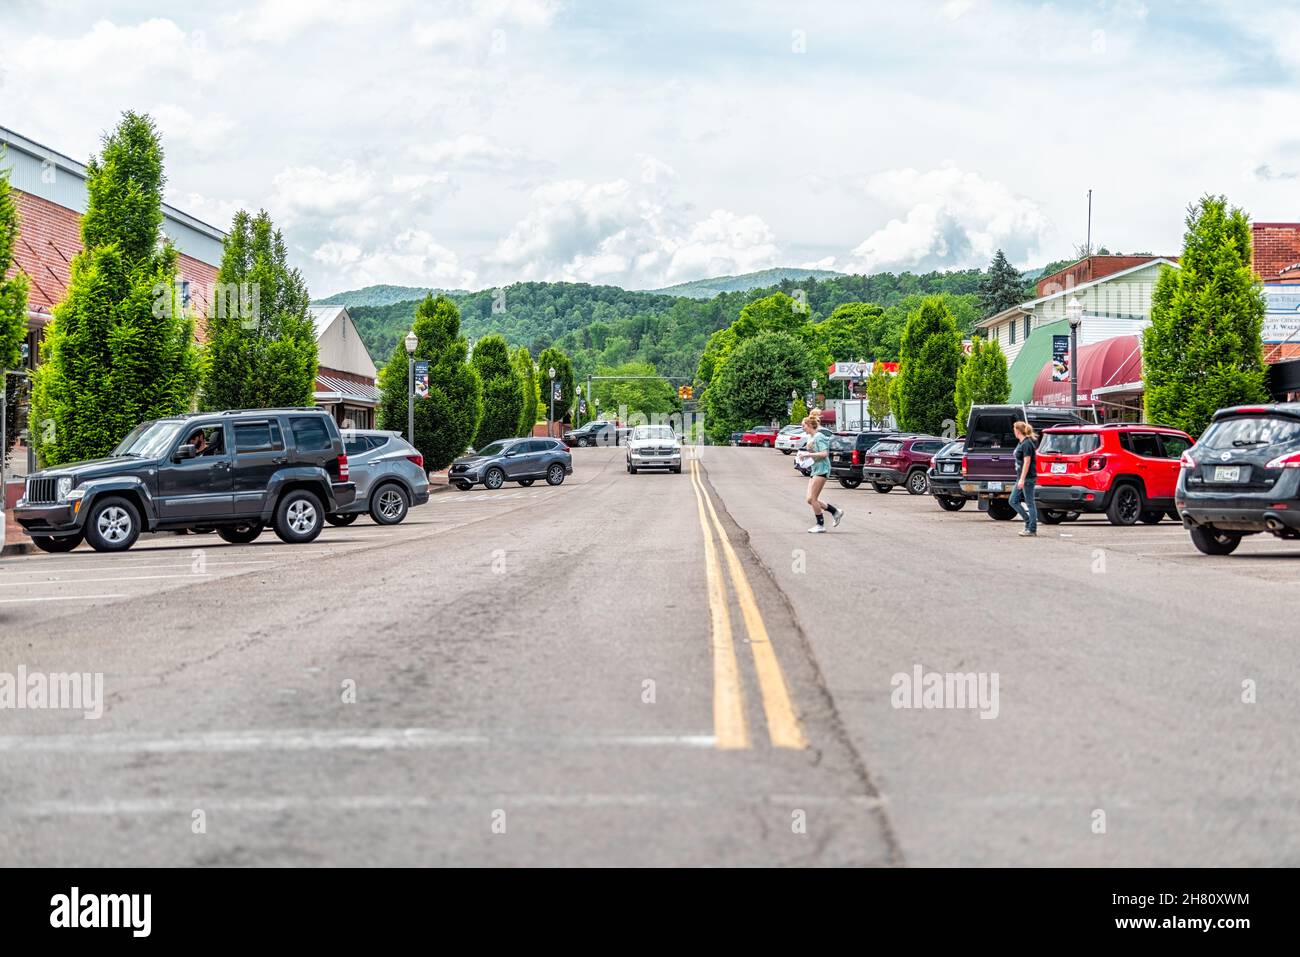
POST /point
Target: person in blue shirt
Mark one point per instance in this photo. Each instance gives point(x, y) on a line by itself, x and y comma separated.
point(818, 451)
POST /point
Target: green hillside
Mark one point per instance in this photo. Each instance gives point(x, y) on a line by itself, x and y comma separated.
point(708, 288)
point(378, 296)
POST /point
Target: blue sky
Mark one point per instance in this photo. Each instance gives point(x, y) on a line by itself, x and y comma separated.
point(471, 144)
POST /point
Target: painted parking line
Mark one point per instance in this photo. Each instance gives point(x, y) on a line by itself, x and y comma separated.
point(64, 569)
point(14, 601)
point(117, 578)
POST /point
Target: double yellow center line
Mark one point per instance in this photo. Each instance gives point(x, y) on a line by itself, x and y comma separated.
point(729, 726)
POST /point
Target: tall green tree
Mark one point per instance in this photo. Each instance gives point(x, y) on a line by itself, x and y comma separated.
point(931, 355)
point(13, 307)
point(446, 421)
point(647, 393)
point(522, 360)
point(261, 343)
point(983, 379)
point(553, 358)
point(1003, 286)
point(798, 411)
point(120, 348)
point(503, 390)
point(851, 332)
point(1203, 350)
point(755, 384)
point(879, 386)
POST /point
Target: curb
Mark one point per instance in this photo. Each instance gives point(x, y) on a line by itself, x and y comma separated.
point(18, 548)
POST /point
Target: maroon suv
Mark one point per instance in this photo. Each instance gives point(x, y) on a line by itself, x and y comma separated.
point(901, 460)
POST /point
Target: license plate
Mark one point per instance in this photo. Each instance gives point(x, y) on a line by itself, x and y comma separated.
point(950, 468)
point(995, 486)
point(1227, 473)
point(875, 461)
point(1058, 468)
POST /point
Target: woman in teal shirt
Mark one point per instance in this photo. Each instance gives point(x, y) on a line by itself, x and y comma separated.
point(819, 451)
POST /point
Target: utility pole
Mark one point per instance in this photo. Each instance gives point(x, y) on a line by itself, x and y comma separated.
point(1088, 247)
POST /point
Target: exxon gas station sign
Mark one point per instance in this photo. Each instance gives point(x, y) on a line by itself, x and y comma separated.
point(852, 371)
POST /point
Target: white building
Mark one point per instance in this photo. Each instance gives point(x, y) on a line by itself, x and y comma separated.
point(345, 379)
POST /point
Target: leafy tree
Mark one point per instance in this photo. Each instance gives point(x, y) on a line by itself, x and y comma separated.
point(798, 411)
point(931, 355)
point(649, 395)
point(120, 348)
point(879, 387)
point(755, 384)
point(1203, 350)
point(982, 380)
point(553, 358)
point(522, 360)
point(851, 333)
point(1002, 288)
point(13, 308)
point(261, 340)
point(503, 390)
point(446, 421)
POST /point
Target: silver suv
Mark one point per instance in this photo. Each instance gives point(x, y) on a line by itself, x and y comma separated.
point(389, 475)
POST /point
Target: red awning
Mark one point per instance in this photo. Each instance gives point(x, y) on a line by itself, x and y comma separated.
point(1111, 362)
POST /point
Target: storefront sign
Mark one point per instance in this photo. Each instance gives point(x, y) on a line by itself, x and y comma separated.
point(1282, 317)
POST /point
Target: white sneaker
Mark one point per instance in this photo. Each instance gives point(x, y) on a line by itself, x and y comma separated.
point(817, 530)
point(836, 516)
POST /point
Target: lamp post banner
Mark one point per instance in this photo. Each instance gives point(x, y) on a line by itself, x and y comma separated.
point(1061, 358)
point(422, 378)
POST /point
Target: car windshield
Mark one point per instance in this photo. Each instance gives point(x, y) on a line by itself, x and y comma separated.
point(880, 447)
point(148, 440)
point(496, 448)
point(1070, 443)
point(952, 448)
point(654, 432)
point(1249, 432)
point(791, 429)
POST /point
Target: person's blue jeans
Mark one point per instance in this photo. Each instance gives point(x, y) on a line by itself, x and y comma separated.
point(1022, 500)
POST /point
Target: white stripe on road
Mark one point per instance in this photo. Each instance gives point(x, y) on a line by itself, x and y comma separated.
point(88, 581)
point(11, 601)
point(307, 739)
point(94, 568)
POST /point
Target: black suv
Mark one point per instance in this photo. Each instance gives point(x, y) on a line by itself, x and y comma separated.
point(848, 451)
point(232, 472)
point(598, 432)
point(1242, 477)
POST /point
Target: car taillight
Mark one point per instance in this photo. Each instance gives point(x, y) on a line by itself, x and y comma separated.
point(1291, 461)
point(856, 457)
point(343, 467)
point(963, 465)
point(1186, 461)
point(1096, 463)
point(417, 458)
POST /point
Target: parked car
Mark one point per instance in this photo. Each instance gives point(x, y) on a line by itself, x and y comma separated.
point(233, 472)
point(762, 435)
point(806, 469)
point(513, 460)
point(654, 447)
point(597, 432)
point(1242, 477)
point(791, 439)
point(1129, 471)
point(945, 476)
point(736, 437)
point(988, 465)
point(848, 449)
point(901, 460)
point(389, 475)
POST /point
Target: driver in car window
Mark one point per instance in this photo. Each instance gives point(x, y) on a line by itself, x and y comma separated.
point(201, 444)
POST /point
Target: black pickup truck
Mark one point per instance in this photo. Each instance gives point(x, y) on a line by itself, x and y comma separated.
point(988, 467)
point(230, 472)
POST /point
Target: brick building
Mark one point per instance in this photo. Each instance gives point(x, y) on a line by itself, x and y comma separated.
point(1277, 261)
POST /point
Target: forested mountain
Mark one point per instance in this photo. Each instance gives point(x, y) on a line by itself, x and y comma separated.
point(708, 288)
point(379, 296)
point(608, 326)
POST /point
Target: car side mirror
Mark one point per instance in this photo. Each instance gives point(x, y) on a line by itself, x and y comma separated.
point(511, 452)
point(184, 452)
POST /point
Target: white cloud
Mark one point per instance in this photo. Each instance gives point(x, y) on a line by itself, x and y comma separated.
point(470, 151)
point(954, 219)
point(412, 257)
point(156, 51)
point(481, 26)
point(279, 21)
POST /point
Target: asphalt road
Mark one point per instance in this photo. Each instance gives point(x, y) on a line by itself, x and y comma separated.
point(659, 669)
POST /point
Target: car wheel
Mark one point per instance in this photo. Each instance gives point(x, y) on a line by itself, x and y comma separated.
point(555, 474)
point(884, 488)
point(583, 443)
point(299, 517)
point(1151, 518)
point(341, 520)
point(952, 503)
point(917, 483)
point(389, 505)
point(1125, 505)
point(786, 451)
point(676, 470)
point(1051, 516)
point(464, 486)
point(113, 525)
point(56, 544)
point(526, 482)
point(494, 479)
point(850, 482)
point(1000, 510)
point(1211, 541)
point(1174, 516)
point(631, 470)
point(242, 534)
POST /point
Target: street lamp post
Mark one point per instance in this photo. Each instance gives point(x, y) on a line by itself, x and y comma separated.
point(862, 393)
point(1074, 313)
point(550, 419)
point(412, 340)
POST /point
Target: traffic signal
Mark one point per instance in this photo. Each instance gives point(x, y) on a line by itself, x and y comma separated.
point(685, 392)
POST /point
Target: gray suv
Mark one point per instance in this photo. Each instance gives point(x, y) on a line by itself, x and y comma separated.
point(389, 475)
point(513, 460)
